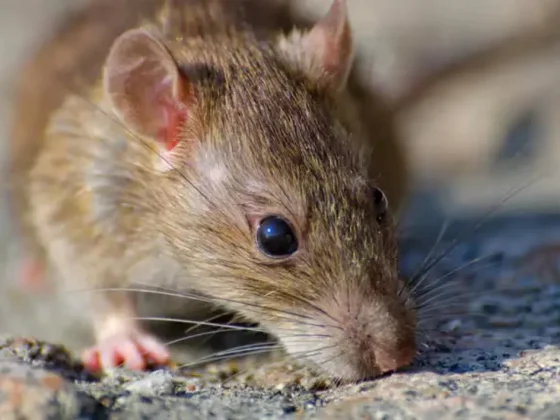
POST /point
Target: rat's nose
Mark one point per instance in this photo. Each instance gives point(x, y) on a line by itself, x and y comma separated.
point(372, 336)
point(390, 361)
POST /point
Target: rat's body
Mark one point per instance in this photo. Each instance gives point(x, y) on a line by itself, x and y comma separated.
point(210, 145)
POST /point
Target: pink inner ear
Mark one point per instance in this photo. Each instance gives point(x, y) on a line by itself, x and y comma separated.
point(147, 88)
point(174, 115)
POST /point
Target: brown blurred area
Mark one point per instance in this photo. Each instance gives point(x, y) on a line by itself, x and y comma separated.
point(476, 83)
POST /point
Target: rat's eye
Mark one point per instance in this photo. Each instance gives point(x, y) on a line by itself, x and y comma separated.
point(276, 237)
point(381, 204)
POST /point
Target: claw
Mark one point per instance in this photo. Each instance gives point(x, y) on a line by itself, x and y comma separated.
point(134, 351)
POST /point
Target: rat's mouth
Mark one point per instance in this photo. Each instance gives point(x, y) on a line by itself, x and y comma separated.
point(356, 339)
point(342, 364)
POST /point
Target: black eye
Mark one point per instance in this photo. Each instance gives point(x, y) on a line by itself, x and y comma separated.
point(276, 237)
point(381, 204)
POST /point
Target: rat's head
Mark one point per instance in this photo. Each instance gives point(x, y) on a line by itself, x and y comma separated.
point(271, 205)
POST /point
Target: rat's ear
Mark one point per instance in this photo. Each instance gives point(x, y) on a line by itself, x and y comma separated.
point(146, 88)
point(325, 52)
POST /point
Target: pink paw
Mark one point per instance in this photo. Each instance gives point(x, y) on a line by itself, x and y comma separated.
point(133, 351)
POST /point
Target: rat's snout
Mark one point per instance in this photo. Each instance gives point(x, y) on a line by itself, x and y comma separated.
point(360, 336)
point(384, 360)
point(376, 337)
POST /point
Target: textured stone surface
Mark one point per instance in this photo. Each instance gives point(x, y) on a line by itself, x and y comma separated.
point(29, 391)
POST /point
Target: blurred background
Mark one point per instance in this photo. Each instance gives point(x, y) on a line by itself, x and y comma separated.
point(477, 88)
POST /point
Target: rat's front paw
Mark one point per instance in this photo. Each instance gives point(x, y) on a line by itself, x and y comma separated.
point(133, 351)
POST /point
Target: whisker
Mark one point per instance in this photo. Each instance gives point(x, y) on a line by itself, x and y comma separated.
point(284, 360)
point(459, 302)
point(297, 315)
point(438, 240)
point(191, 337)
point(323, 362)
point(439, 314)
point(209, 324)
point(442, 314)
point(212, 318)
point(307, 302)
point(269, 365)
point(420, 299)
point(443, 294)
point(202, 299)
point(450, 273)
point(435, 299)
point(443, 311)
point(312, 337)
point(247, 352)
point(226, 357)
point(486, 217)
point(243, 349)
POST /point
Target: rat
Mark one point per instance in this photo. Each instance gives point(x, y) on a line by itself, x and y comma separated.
point(232, 143)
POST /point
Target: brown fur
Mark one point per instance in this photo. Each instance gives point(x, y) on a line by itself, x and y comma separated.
point(263, 137)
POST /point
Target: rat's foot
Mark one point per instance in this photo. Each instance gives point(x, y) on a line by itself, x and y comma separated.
point(544, 260)
point(133, 351)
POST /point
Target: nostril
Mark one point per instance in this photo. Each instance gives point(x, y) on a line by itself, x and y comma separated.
point(387, 364)
point(390, 361)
